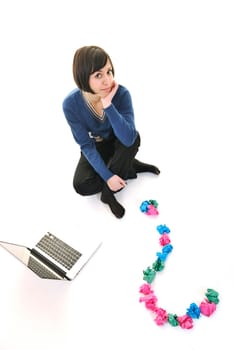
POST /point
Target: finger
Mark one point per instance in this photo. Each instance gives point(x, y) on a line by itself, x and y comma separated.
point(114, 87)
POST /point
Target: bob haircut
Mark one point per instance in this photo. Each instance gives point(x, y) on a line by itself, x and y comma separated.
point(88, 60)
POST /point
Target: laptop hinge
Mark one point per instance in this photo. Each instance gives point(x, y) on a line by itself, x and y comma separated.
point(48, 263)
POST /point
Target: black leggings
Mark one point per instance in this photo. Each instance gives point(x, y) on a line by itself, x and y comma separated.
point(116, 156)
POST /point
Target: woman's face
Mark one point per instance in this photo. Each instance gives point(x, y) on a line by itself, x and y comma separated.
point(101, 82)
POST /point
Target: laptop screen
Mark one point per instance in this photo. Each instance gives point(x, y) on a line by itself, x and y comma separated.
point(52, 258)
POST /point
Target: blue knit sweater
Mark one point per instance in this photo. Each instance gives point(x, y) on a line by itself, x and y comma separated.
point(118, 120)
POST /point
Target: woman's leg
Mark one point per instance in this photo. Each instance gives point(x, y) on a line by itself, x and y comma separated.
point(141, 167)
point(119, 164)
point(121, 161)
point(86, 181)
point(124, 164)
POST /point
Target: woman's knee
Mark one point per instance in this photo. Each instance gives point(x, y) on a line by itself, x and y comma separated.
point(87, 188)
point(137, 140)
point(136, 143)
point(78, 188)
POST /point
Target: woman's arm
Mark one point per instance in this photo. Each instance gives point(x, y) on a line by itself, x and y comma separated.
point(120, 114)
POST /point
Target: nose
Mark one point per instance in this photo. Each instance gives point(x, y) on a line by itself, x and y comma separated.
point(106, 79)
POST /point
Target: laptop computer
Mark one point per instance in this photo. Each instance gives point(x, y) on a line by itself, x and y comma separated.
point(52, 258)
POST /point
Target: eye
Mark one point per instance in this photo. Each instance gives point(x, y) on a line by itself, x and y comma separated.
point(110, 72)
point(98, 75)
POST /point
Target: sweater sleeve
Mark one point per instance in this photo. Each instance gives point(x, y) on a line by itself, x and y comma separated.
point(87, 144)
point(121, 117)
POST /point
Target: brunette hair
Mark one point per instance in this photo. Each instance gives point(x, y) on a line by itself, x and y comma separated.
point(86, 61)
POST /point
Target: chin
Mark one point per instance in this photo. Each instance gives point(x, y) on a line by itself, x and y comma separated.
point(103, 94)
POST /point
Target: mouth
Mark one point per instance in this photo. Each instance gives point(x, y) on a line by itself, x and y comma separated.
point(106, 90)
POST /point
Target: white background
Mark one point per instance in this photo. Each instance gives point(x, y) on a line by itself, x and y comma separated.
point(176, 58)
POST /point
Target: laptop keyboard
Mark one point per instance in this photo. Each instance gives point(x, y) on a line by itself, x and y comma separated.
point(41, 270)
point(59, 250)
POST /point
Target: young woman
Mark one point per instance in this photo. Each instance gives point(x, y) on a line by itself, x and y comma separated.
point(101, 117)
